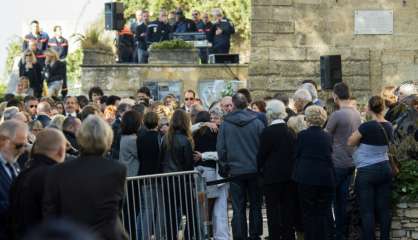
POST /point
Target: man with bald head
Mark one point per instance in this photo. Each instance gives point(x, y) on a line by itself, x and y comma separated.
point(44, 111)
point(13, 140)
point(28, 189)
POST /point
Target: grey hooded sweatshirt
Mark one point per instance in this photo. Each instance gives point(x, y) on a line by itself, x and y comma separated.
point(238, 142)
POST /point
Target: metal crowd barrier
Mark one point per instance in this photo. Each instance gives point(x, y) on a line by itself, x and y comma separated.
point(170, 206)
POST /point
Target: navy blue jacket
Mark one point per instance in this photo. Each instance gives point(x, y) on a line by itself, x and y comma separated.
point(314, 164)
point(60, 46)
point(222, 42)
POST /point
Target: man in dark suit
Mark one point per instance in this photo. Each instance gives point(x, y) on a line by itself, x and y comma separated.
point(27, 190)
point(13, 139)
point(90, 189)
point(44, 110)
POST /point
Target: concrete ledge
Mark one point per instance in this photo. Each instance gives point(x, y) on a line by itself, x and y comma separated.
point(133, 65)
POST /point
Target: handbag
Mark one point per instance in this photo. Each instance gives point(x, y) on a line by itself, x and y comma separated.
point(393, 161)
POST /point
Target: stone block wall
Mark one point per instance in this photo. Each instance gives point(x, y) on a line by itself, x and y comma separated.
point(125, 79)
point(289, 36)
point(405, 222)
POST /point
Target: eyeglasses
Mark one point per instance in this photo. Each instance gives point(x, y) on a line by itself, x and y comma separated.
point(19, 146)
point(189, 99)
point(195, 14)
point(33, 106)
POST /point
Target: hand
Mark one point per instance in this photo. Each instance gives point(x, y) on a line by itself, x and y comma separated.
point(197, 156)
point(143, 34)
point(218, 31)
point(212, 126)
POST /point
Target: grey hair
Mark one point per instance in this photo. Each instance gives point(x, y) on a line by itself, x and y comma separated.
point(303, 95)
point(275, 110)
point(311, 89)
point(9, 128)
point(95, 136)
point(217, 12)
point(407, 89)
point(315, 116)
point(57, 122)
point(44, 107)
point(9, 113)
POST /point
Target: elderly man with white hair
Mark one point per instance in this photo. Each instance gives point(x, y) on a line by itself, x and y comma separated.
point(275, 160)
point(314, 93)
point(302, 100)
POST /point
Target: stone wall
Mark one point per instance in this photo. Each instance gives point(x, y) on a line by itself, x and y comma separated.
point(405, 222)
point(288, 37)
point(125, 79)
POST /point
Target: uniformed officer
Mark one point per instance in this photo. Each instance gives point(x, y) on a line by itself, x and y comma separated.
point(141, 38)
point(158, 30)
point(58, 43)
point(221, 33)
point(38, 40)
point(183, 24)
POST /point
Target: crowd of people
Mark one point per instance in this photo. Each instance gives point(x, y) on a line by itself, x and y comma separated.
point(135, 39)
point(69, 160)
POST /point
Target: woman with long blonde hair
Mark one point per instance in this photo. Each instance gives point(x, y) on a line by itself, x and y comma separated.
point(30, 68)
point(55, 73)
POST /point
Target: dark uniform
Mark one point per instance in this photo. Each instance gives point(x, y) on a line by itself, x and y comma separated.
point(41, 41)
point(184, 25)
point(222, 43)
point(125, 45)
point(158, 31)
point(141, 42)
point(206, 28)
point(60, 45)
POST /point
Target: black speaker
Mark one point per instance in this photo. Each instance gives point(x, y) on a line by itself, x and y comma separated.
point(223, 58)
point(331, 72)
point(114, 19)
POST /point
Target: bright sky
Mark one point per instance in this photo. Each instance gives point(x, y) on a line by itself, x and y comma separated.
point(73, 15)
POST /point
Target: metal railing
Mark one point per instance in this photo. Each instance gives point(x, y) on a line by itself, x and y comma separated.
point(170, 206)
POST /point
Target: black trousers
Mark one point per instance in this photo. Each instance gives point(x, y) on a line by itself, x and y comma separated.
point(281, 210)
point(316, 204)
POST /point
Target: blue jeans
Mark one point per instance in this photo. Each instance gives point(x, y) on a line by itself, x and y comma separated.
point(142, 56)
point(239, 190)
point(150, 220)
point(344, 177)
point(374, 187)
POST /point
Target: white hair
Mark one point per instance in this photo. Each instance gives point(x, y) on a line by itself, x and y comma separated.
point(303, 95)
point(275, 110)
point(407, 89)
point(127, 101)
point(95, 136)
point(217, 12)
point(9, 113)
point(311, 89)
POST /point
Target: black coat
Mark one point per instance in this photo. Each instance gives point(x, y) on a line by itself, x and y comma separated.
point(276, 155)
point(178, 157)
point(88, 191)
point(148, 145)
point(314, 164)
point(141, 40)
point(34, 74)
point(158, 31)
point(26, 195)
point(56, 72)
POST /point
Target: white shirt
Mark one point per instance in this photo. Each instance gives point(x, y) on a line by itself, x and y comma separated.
point(277, 121)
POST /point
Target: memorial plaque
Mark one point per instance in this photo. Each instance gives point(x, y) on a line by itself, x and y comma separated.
point(373, 22)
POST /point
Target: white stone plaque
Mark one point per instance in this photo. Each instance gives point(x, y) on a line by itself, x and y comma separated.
point(373, 22)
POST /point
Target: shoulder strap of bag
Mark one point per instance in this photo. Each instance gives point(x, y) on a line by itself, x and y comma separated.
point(384, 132)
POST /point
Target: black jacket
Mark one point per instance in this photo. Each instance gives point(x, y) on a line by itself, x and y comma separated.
point(70, 136)
point(88, 191)
point(56, 72)
point(222, 41)
point(184, 25)
point(178, 157)
point(314, 164)
point(34, 74)
point(141, 40)
point(158, 31)
point(41, 43)
point(148, 145)
point(26, 195)
point(276, 155)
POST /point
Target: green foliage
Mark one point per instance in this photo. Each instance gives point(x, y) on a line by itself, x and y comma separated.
point(74, 60)
point(94, 37)
point(172, 44)
point(229, 89)
point(406, 183)
point(13, 50)
point(3, 89)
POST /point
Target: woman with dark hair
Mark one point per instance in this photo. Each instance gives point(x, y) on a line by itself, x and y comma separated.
point(374, 173)
point(259, 106)
point(177, 155)
point(95, 95)
point(128, 154)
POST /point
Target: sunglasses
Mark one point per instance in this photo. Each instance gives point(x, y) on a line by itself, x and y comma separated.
point(195, 14)
point(33, 106)
point(19, 146)
point(189, 99)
